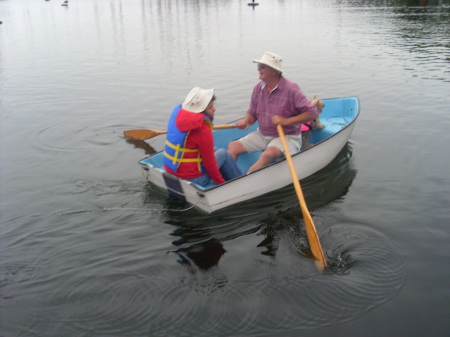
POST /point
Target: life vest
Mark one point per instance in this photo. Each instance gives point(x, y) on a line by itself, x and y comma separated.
point(175, 146)
point(306, 126)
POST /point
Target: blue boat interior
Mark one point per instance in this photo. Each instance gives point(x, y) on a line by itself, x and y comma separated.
point(337, 114)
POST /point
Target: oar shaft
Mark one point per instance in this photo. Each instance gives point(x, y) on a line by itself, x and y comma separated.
point(311, 232)
point(143, 134)
point(225, 126)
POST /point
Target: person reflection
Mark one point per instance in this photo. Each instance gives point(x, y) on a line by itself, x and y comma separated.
point(270, 242)
point(204, 255)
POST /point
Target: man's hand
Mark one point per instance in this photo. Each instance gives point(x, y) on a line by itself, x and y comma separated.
point(242, 124)
point(279, 120)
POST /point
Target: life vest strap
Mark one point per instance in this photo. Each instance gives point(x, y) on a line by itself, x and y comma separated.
point(182, 160)
point(177, 147)
point(175, 159)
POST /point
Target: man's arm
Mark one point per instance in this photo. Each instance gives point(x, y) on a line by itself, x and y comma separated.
point(246, 122)
point(299, 119)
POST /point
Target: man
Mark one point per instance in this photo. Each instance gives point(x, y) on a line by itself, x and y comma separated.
point(275, 100)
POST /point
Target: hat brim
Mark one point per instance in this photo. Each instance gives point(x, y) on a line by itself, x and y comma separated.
point(270, 66)
point(206, 96)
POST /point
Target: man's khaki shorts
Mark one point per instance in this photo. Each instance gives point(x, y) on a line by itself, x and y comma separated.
point(255, 141)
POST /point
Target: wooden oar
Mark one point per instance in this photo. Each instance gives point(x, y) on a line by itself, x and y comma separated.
point(311, 232)
point(143, 134)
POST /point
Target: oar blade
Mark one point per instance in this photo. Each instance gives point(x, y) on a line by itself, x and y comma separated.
point(321, 265)
point(142, 134)
point(314, 242)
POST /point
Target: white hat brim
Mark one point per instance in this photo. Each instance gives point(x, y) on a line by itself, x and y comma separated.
point(270, 66)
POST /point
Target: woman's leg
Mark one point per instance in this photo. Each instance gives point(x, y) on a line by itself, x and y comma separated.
point(203, 180)
point(227, 165)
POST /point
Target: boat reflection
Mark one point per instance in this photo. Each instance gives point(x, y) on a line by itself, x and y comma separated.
point(330, 184)
point(201, 237)
point(325, 186)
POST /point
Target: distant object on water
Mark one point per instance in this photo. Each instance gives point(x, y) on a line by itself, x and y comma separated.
point(253, 3)
point(65, 3)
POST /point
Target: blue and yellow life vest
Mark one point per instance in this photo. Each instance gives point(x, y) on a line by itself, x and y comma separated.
point(175, 146)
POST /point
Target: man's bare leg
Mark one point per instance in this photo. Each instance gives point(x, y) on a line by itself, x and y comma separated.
point(235, 148)
point(268, 156)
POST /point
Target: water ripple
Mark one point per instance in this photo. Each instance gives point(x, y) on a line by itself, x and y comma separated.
point(373, 279)
point(70, 136)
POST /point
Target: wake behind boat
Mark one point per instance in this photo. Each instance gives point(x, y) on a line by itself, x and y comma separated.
point(338, 116)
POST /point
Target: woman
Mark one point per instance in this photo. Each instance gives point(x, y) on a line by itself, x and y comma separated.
point(189, 150)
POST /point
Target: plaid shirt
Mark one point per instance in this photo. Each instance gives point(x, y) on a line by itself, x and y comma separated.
point(286, 100)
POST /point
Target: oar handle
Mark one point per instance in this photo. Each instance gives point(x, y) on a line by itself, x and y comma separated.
point(225, 126)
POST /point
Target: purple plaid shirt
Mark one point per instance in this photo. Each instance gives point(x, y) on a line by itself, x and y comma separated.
point(286, 100)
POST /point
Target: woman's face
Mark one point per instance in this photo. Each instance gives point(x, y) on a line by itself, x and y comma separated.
point(210, 110)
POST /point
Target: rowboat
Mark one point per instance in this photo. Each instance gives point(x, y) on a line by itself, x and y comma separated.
point(338, 116)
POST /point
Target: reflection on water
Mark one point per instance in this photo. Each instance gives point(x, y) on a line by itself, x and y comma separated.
point(140, 144)
point(271, 216)
point(424, 32)
point(204, 256)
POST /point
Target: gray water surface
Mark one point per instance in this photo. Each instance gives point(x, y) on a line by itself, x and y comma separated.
point(88, 248)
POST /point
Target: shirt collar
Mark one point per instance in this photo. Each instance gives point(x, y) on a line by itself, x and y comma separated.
point(280, 84)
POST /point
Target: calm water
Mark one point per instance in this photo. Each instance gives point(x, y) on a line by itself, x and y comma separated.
point(89, 249)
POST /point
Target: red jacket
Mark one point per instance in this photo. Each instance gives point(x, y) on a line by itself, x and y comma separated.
point(200, 137)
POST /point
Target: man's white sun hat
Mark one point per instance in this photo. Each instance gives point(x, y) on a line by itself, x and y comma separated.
point(272, 60)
